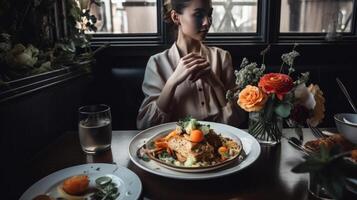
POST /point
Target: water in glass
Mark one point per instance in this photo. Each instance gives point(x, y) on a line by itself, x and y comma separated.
point(95, 129)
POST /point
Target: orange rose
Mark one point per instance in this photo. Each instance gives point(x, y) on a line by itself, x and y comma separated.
point(276, 83)
point(252, 98)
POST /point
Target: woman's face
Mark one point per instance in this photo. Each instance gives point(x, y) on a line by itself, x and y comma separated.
point(196, 19)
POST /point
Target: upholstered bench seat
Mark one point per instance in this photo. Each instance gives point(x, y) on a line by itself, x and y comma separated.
point(126, 96)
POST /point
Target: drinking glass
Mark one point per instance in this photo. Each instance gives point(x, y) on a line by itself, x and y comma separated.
point(95, 129)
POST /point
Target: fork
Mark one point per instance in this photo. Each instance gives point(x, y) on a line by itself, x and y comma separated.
point(316, 132)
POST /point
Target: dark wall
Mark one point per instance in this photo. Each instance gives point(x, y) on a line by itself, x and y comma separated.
point(119, 88)
point(120, 71)
point(31, 122)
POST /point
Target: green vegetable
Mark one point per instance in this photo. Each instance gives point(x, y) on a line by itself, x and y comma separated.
point(102, 181)
point(191, 125)
point(107, 190)
point(205, 129)
point(188, 124)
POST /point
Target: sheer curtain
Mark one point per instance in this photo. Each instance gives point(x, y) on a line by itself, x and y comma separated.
point(317, 14)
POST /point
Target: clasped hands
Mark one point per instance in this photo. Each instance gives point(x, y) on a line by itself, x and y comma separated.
point(192, 67)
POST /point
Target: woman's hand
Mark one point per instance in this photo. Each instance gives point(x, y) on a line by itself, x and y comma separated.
point(191, 66)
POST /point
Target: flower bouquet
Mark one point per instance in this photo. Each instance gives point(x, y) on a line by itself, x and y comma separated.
point(271, 98)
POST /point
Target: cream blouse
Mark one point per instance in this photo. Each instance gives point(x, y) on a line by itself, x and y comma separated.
point(201, 99)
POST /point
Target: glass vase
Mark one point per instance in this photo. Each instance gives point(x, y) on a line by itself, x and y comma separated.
point(266, 128)
point(317, 190)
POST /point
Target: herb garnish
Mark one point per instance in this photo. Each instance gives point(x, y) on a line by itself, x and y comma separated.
point(107, 190)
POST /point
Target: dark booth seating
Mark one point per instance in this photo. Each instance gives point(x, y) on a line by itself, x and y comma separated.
point(119, 88)
point(126, 96)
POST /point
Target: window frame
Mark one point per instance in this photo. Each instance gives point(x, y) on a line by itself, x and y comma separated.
point(233, 38)
point(268, 32)
point(313, 37)
point(133, 39)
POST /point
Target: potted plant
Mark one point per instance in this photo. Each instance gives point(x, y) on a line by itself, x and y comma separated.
point(330, 172)
point(40, 36)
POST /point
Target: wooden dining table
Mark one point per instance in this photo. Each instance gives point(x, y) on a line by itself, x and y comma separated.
point(269, 177)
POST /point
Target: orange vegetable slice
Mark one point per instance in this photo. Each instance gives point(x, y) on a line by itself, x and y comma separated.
point(161, 143)
point(171, 134)
point(222, 150)
point(196, 136)
point(76, 185)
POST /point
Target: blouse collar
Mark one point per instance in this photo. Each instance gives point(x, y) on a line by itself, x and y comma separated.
point(175, 55)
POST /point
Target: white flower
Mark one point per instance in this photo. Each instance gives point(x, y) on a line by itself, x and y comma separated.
point(319, 109)
point(304, 97)
point(289, 58)
point(19, 56)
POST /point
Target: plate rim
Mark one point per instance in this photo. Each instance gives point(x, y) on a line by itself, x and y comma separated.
point(257, 152)
point(85, 166)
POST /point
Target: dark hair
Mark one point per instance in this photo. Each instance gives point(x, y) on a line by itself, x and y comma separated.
point(176, 5)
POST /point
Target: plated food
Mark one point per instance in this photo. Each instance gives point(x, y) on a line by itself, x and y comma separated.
point(88, 181)
point(248, 155)
point(331, 141)
point(78, 188)
point(75, 185)
point(192, 145)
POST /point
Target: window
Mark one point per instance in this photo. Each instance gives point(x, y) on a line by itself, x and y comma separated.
point(131, 16)
point(125, 16)
point(132, 22)
point(232, 16)
point(316, 16)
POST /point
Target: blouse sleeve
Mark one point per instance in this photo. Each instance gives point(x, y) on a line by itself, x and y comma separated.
point(149, 113)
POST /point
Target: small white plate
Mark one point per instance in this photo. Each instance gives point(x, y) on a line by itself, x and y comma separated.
point(250, 145)
point(127, 181)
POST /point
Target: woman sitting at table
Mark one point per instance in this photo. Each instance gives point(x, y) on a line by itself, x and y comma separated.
point(190, 78)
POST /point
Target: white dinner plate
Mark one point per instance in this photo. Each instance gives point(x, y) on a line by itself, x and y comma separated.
point(128, 182)
point(251, 148)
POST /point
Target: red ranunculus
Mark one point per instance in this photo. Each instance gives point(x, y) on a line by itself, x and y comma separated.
point(276, 83)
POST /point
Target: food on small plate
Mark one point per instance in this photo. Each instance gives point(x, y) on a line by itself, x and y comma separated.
point(329, 142)
point(78, 188)
point(193, 144)
point(75, 188)
point(106, 189)
point(76, 185)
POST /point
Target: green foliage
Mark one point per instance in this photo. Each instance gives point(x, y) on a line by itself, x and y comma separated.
point(22, 59)
point(249, 74)
point(4, 6)
point(329, 168)
point(283, 109)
